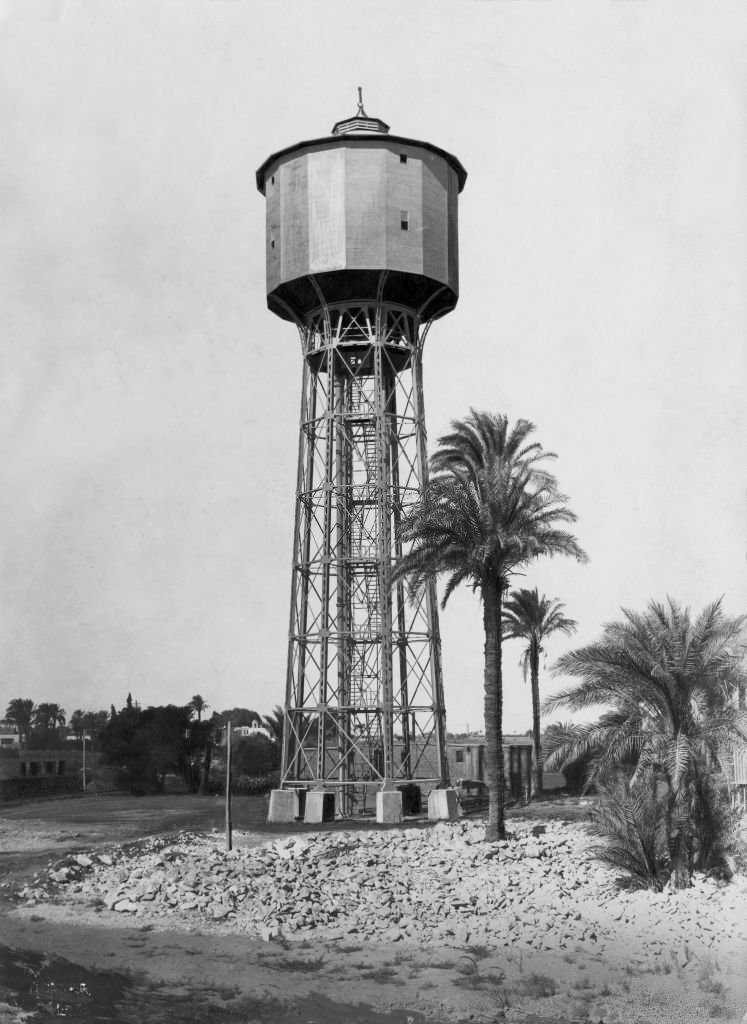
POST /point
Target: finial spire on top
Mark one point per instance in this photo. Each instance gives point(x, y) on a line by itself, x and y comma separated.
point(360, 122)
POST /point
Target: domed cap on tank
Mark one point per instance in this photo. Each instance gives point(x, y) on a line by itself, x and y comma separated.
point(360, 122)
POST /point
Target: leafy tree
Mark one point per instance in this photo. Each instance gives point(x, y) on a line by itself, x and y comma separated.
point(672, 682)
point(198, 705)
point(95, 721)
point(489, 508)
point(20, 713)
point(165, 731)
point(146, 744)
point(256, 756)
point(532, 618)
point(78, 724)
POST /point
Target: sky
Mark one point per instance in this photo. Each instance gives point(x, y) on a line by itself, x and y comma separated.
point(149, 401)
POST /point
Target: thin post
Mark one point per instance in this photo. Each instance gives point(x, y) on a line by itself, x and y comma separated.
point(84, 762)
point(229, 837)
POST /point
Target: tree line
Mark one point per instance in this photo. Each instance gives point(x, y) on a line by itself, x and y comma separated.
point(144, 745)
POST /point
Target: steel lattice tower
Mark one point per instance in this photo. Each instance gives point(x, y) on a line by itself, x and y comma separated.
point(362, 256)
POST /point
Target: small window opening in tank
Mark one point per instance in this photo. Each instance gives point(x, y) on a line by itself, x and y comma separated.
point(272, 180)
point(403, 158)
point(404, 220)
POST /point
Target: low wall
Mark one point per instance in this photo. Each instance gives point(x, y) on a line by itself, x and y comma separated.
point(43, 785)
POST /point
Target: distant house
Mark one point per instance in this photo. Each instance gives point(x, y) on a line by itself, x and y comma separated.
point(467, 758)
point(9, 738)
point(251, 731)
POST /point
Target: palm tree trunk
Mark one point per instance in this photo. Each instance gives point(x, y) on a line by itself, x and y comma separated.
point(491, 597)
point(679, 876)
point(537, 766)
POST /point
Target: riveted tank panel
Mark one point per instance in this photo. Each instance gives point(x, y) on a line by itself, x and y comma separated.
point(325, 201)
point(366, 221)
point(342, 210)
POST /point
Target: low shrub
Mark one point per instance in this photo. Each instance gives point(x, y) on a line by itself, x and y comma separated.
point(631, 821)
point(254, 785)
point(246, 785)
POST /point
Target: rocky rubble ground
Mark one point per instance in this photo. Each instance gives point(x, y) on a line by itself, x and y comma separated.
point(541, 890)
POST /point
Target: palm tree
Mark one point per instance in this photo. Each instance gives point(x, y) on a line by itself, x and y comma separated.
point(274, 723)
point(671, 684)
point(21, 713)
point(489, 508)
point(47, 717)
point(532, 618)
point(198, 705)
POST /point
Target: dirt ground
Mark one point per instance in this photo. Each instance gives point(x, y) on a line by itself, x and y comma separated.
point(52, 965)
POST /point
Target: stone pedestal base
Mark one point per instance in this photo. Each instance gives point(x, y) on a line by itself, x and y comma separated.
point(442, 805)
point(320, 806)
point(389, 807)
point(283, 805)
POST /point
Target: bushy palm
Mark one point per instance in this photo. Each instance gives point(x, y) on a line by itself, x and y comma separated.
point(20, 712)
point(671, 683)
point(488, 509)
point(274, 723)
point(198, 705)
point(629, 822)
point(532, 618)
point(46, 717)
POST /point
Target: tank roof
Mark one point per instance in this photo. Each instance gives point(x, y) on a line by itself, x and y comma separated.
point(360, 121)
point(359, 137)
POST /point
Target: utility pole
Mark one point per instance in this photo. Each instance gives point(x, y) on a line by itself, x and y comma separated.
point(229, 836)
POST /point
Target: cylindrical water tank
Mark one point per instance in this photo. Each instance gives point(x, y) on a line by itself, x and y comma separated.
point(344, 208)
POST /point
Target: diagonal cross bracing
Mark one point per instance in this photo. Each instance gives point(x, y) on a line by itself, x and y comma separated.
point(364, 696)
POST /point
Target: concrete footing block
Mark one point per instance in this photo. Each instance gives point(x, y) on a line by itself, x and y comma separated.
point(283, 805)
point(442, 805)
point(389, 807)
point(320, 806)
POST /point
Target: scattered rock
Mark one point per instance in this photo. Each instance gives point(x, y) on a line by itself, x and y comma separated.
point(124, 906)
point(538, 890)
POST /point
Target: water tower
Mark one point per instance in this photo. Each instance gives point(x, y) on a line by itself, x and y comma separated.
point(362, 258)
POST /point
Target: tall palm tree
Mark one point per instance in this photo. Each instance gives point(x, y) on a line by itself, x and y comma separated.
point(489, 508)
point(20, 712)
point(671, 683)
point(532, 618)
point(198, 705)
